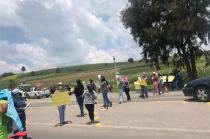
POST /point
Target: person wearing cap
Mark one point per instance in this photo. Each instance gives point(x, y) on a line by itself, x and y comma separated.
point(20, 107)
point(62, 108)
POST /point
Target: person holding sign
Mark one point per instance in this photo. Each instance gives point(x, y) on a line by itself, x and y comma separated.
point(59, 94)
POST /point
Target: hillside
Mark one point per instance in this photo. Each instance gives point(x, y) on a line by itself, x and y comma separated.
point(68, 75)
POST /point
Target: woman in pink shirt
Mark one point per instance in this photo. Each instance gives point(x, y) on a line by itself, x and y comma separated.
point(155, 81)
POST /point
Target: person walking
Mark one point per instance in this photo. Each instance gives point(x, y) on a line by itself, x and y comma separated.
point(126, 89)
point(104, 88)
point(89, 100)
point(78, 91)
point(20, 107)
point(120, 83)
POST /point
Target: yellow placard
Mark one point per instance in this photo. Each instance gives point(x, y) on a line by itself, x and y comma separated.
point(137, 85)
point(60, 98)
point(170, 79)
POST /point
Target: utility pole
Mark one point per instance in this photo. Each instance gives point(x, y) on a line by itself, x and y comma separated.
point(115, 65)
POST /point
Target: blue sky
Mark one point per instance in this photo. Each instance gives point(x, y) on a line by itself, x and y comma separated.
point(42, 34)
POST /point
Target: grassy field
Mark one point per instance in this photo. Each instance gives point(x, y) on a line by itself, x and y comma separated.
point(68, 75)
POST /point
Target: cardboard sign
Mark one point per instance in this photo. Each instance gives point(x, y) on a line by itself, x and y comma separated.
point(60, 98)
point(170, 79)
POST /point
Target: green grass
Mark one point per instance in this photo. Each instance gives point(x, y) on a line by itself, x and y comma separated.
point(68, 75)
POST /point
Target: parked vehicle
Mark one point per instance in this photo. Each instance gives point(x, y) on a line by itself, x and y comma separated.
point(35, 92)
point(46, 92)
point(199, 89)
point(23, 88)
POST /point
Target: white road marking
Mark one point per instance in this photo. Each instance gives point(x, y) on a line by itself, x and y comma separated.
point(130, 127)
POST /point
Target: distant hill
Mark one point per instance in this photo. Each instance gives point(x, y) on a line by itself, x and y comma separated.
point(68, 75)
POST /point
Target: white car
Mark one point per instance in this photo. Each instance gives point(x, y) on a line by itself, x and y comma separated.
point(38, 93)
point(34, 93)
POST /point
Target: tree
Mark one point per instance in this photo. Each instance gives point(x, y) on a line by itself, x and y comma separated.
point(23, 69)
point(57, 70)
point(164, 27)
point(131, 60)
point(32, 73)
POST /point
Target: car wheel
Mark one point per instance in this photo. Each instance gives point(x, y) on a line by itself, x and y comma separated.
point(35, 96)
point(27, 96)
point(202, 94)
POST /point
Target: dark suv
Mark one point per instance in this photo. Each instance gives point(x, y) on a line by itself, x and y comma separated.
point(199, 88)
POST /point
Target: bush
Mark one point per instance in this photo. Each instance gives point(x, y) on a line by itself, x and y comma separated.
point(131, 60)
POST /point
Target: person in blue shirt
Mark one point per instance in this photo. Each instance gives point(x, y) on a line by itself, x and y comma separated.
point(20, 107)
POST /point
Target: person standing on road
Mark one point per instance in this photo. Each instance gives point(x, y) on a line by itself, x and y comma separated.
point(89, 100)
point(121, 84)
point(155, 82)
point(92, 85)
point(62, 108)
point(104, 88)
point(78, 91)
point(143, 85)
point(20, 107)
point(126, 89)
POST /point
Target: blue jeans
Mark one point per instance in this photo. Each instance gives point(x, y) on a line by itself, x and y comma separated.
point(80, 103)
point(144, 92)
point(106, 99)
point(121, 97)
point(61, 110)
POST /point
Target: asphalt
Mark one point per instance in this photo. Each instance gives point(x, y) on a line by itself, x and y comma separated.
point(169, 116)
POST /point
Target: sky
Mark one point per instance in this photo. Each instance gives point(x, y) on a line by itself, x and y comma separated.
point(42, 34)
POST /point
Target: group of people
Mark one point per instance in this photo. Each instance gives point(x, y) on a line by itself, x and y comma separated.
point(85, 96)
point(160, 83)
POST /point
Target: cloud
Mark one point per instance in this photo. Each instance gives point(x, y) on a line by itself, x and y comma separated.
point(65, 33)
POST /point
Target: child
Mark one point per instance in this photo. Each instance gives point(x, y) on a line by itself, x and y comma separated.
point(89, 100)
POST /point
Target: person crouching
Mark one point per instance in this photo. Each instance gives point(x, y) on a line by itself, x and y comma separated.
point(89, 100)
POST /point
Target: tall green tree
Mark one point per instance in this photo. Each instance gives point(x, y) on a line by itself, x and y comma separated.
point(23, 69)
point(162, 27)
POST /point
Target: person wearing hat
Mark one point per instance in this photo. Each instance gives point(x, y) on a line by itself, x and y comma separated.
point(155, 82)
point(20, 107)
point(62, 108)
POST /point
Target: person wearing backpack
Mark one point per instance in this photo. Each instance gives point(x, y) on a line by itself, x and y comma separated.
point(104, 88)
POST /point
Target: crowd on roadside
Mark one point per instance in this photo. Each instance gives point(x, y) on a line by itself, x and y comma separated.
point(86, 98)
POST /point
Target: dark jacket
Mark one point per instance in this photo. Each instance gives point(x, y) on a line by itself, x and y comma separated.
point(79, 90)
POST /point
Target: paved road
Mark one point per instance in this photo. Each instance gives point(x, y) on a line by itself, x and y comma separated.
point(114, 98)
point(159, 117)
point(46, 132)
